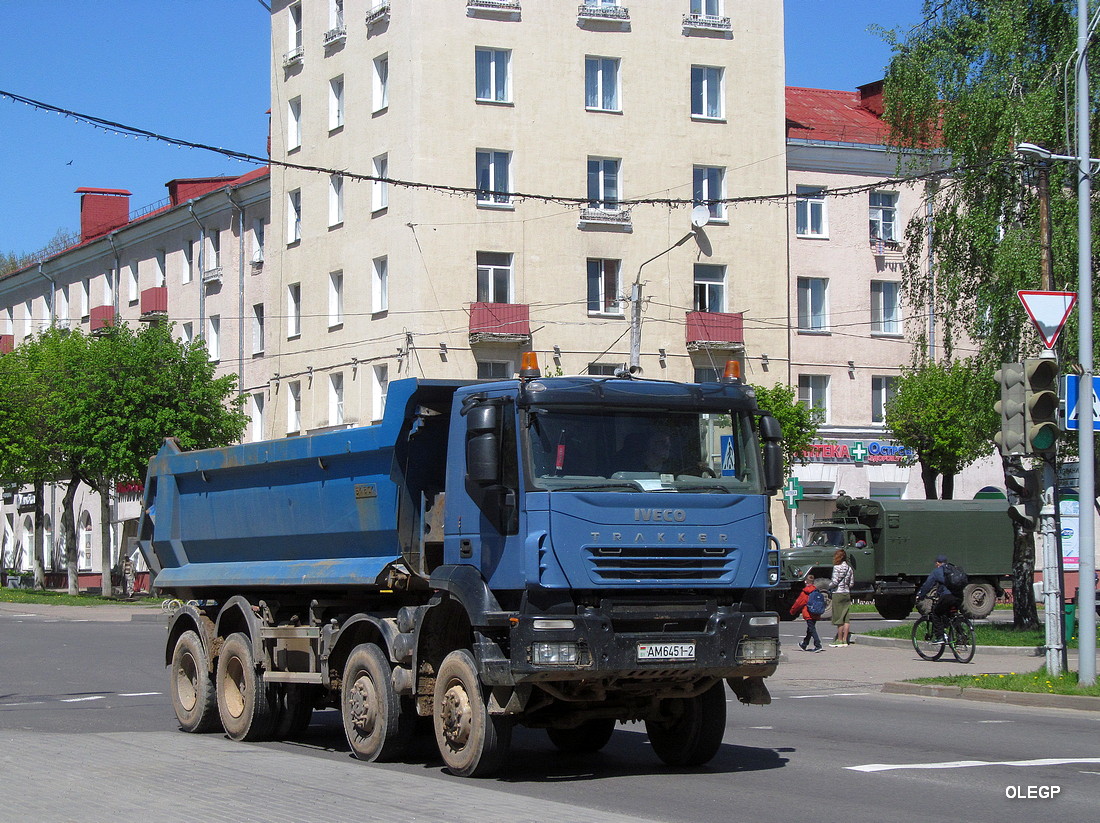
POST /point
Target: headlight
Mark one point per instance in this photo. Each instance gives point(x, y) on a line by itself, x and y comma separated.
point(759, 650)
point(554, 653)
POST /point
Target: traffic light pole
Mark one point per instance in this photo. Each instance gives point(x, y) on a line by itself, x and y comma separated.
point(1052, 585)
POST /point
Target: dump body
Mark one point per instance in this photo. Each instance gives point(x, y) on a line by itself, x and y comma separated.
point(590, 549)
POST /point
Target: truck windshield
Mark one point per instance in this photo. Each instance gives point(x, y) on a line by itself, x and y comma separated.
point(833, 538)
point(654, 449)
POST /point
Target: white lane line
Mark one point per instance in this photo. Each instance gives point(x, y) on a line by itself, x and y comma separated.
point(138, 694)
point(994, 721)
point(30, 703)
point(833, 694)
point(82, 699)
point(963, 764)
point(763, 728)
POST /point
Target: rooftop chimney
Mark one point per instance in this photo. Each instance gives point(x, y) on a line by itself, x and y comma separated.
point(870, 97)
point(102, 210)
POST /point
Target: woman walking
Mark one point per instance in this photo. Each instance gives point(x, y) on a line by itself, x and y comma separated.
point(842, 597)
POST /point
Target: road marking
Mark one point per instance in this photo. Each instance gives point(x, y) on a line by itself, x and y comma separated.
point(963, 764)
point(82, 699)
point(138, 694)
point(994, 721)
point(31, 703)
point(763, 728)
point(834, 694)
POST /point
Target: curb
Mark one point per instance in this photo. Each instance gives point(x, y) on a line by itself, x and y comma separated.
point(1034, 699)
point(899, 643)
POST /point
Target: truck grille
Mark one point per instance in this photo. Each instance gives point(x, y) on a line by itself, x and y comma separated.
point(612, 563)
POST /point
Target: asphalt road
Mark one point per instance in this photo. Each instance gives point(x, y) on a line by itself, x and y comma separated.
point(87, 733)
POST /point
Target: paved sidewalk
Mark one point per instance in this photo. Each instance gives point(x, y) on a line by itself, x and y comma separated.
point(144, 611)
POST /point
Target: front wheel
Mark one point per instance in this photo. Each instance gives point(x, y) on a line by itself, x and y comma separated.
point(192, 686)
point(473, 742)
point(692, 733)
point(590, 736)
point(961, 636)
point(927, 640)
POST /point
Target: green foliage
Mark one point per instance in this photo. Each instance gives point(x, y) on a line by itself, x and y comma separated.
point(1039, 682)
point(798, 421)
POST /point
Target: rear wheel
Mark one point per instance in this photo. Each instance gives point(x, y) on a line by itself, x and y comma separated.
point(927, 640)
point(295, 711)
point(246, 704)
point(692, 732)
point(978, 600)
point(589, 736)
point(373, 721)
point(961, 635)
point(894, 606)
point(473, 742)
point(192, 686)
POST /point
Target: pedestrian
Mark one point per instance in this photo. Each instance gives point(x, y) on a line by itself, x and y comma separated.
point(842, 597)
point(802, 604)
point(128, 577)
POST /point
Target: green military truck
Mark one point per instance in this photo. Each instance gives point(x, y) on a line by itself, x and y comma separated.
point(892, 546)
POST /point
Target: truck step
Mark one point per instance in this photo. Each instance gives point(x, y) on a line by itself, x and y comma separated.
point(294, 677)
point(288, 632)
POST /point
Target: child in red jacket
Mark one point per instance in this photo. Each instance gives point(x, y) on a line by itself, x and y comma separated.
point(803, 604)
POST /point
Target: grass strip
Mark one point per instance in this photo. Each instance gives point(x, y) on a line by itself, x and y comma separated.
point(1037, 682)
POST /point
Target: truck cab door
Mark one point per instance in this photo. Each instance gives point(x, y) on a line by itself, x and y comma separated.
point(862, 554)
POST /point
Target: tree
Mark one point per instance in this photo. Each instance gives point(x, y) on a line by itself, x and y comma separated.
point(944, 413)
point(798, 421)
point(974, 80)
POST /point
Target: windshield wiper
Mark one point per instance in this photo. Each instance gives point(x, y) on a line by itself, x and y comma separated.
point(621, 484)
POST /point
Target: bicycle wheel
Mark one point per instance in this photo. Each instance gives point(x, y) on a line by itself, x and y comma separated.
point(926, 640)
point(961, 636)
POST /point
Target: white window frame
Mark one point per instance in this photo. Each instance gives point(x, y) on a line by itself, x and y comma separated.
point(213, 337)
point(335, 299)
point(883, 215)
point(709, 183)
point(380, 190)
point(601, 84)
point(494, 272)
point(380, 83)
point(336, 103)
point(883, 389)
point(811, 212)
point(133, 283)
point(258, 323)
point(294, 407)
point(293, 216)
point(605, 183)
point(813, 304)
point(188, 273)
point(85, 297)
point(293, 310)
point(61, 309)
point(708, 93)
point(493, 175)
point(214, 258)
point(335, 200)
point(293, 124)
point(84, 539)
point(380, 385)
point(160, 270)
point(604, 287)
point(258, 232)
point(380, 285)
point(335, 14)
point(336, 398)
point(709, 281)
point(492, 75)
point(886, 307)
point(256, 415)
point(294, 27)
point(187, 333)
point(813, 392)
point(706, 8)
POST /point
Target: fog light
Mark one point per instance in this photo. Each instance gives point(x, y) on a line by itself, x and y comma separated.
point(544, 623)
point(759, 650)
point(554, 653)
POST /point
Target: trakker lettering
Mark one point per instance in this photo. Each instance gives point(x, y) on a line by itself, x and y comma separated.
point(661, 515)
point(662, 537)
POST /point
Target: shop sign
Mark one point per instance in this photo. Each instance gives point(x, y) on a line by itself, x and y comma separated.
point(859, 451)
point(24, 501)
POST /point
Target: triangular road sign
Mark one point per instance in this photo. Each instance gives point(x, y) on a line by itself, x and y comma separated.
point(1048, 311)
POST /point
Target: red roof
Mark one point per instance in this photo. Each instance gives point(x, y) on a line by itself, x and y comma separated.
point(833, 116)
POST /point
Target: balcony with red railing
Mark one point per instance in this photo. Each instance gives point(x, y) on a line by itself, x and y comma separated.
point(101, 317)
point(715, 330)
point(154, 302)
point(7, 343)
point(500, 322)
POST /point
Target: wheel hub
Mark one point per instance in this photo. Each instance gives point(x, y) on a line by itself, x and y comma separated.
point(186, 680)
point(233, 691)
point(457, 716)
point(363, 700)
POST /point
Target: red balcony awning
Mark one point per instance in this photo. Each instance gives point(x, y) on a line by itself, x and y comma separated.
point(715, 330)
point(101, 317)
point(154, 300)
point(500, 321)
point(7, 343)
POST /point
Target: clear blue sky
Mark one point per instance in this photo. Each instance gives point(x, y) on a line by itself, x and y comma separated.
point(198, 70)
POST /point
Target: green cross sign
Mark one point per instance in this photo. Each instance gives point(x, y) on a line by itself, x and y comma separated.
point(858, 451)
point(792, 493)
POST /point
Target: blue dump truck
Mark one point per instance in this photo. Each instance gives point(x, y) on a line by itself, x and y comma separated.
point(562, 553)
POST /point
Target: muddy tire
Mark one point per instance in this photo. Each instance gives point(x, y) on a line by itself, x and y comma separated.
point(472, 742)
point(376, 727)
point(895, 606)
point(692, 734)
point(295, 711)
point(246, 705)
point(978, 600)
point(191, 685)
point(590, 736)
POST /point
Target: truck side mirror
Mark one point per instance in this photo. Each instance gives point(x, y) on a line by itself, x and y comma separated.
point(772, 435)
point(483, 445)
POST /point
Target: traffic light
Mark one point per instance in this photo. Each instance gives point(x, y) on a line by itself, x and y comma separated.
point(1012, 438)
point(1023, 496)
point(1041, 404)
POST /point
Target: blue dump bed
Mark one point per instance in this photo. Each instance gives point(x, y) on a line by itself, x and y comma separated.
point(319, 510)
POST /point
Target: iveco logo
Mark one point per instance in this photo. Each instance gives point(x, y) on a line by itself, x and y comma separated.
point(660, 515)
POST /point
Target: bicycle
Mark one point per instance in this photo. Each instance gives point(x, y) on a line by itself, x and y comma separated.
point(930, 640)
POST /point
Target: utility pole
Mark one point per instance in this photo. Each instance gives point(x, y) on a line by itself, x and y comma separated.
point(636, 301)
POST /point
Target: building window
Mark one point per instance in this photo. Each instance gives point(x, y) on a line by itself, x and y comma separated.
point(601, 84)
point(380, 285)
point(710, 288)
point(188, 273)
point(603, 183)
point(885, 307)
point(336, 103)
point(492, 77)
point(257, 241)
point(294, 124)
point(705, 374)
point(811, 218)
point(813, 392)
point(883, 215)
point(494, 277)
point(706, 92)
point(294, 310)
point(336, 399)
point(256, 414)
point(187, 333)
point(159, 270)
point(883, 389)
point(493, 178)
point(494, 369)
point(62, 312)
point(380, 378)
point(335, 14)
point(293, 216)
point(84, 555)
point(605, 369)
point(380, 189)
point(214, 260)
point(85, 296)
point(813, 305)
point(709, 184)
point(380, 94)
point(294, 407)
point(335, 200)
point(213, 335)
point(294, 31)
point(710, 8)
point(258, 328)
point(603, 287)
point(132, 281)
point(335, 299)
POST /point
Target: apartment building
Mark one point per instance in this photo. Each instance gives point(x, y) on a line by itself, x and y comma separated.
point(509, 141)
point(851, 331)
point(195, 259)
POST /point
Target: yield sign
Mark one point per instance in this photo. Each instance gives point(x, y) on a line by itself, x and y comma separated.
point(1048, 311)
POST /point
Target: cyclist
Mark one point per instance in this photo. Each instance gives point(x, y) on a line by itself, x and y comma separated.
point(936, 584)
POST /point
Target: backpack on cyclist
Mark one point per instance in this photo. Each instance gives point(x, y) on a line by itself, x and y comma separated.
point(815, 603)
point(955, 578)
